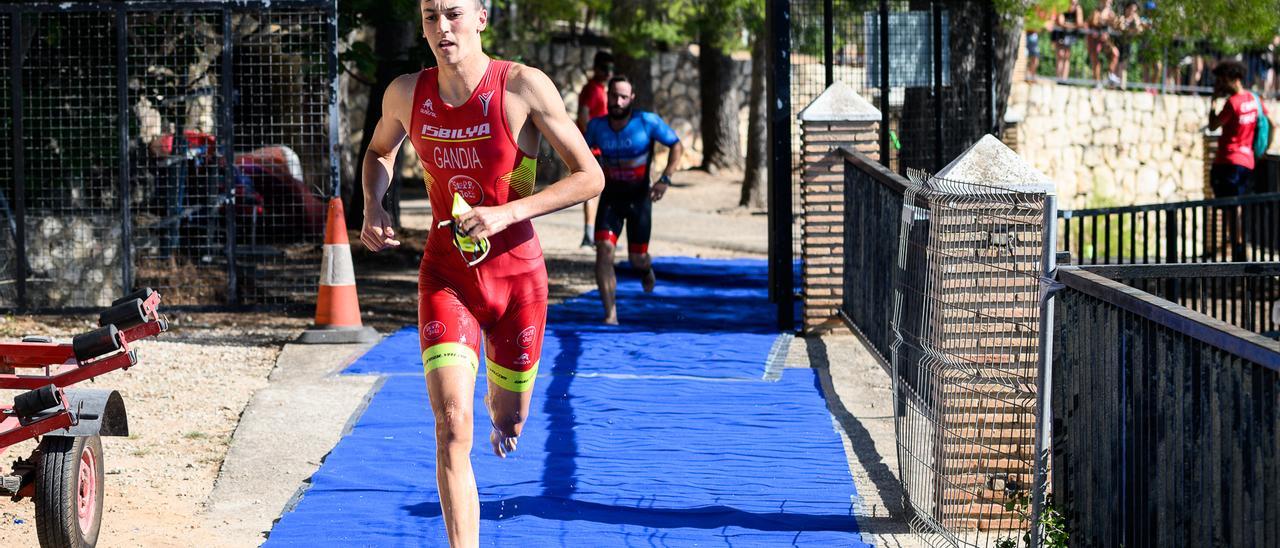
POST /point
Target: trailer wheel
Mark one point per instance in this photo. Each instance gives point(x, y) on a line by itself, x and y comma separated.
point(69, 492)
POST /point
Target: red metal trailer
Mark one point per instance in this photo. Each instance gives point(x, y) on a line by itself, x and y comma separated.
point(63, 475)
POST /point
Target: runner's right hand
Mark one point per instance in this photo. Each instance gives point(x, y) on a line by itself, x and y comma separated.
point(377, 233)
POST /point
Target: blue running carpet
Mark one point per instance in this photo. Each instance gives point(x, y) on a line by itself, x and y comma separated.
point(658, 432)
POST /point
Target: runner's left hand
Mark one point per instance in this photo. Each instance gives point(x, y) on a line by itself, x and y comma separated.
point(483, 222)
point(659, 189)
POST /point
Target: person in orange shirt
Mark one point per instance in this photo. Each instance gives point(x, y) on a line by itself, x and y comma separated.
point(592, 104)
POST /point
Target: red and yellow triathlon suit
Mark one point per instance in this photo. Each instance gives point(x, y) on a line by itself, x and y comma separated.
point(470, 150)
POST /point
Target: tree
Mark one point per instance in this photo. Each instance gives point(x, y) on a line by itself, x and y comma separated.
point(636, 28)
point(718, 27)
point(397, 50)
point(757, 128)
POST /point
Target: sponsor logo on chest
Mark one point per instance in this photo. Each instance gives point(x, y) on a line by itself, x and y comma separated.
point(457, 135)
point(468, 188)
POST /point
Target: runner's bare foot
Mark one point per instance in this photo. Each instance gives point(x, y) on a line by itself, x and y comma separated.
point(502, 445)
point(648, 280)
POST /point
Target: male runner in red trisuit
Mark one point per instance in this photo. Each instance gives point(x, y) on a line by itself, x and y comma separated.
point(475, 123)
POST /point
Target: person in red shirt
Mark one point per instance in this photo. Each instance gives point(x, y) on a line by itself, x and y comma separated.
point(1233, 165)
point(1238, 118)
point(592, 104)
point(476, 124)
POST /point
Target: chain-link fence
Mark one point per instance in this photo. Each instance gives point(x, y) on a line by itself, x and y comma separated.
point(184, 146)
point(966, 351)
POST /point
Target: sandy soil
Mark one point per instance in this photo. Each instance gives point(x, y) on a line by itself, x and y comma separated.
point(186, 395)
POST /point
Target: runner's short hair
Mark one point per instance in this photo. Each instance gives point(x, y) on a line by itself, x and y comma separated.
point(616, 79)
point(603, 61)
point(1230, 70)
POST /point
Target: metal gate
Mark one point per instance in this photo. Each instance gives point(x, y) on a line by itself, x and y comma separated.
point(186, 146)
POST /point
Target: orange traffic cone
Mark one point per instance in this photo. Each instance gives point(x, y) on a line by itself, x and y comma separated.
point(337, 306)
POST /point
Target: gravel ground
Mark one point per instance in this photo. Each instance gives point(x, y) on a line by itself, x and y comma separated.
point(183, 398)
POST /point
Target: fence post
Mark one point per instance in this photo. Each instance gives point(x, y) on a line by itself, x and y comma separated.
point(938, 154)
point(828, 41)
point(335, 152)
point(226, 140)
point(16, 54)
point(838, 117)
point(782, 281)
point(1044, 377)
point(122, 105)
point(885, 88)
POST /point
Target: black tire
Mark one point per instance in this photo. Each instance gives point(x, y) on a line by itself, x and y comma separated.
point(58, 489)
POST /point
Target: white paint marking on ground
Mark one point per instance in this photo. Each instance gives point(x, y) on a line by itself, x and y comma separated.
point(777, 359)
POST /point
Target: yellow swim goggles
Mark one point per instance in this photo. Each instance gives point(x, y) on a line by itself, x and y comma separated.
point(473, 250)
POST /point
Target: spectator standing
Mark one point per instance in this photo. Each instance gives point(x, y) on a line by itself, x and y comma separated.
point(1066, 29)
point(1233, 166)
point(1099, 40)
point(1128, 28)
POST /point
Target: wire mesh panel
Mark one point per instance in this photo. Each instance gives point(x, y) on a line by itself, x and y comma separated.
point(281, 123)
point(182, 146)
point(74, 239)
point(179, 183)
point(966, 324)
point(9, 256)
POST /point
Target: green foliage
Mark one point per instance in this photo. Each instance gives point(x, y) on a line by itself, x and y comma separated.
point(359, 57)
point(806, 32)
point(1230, 25)
point(636, 25)
point(1038, 12)
point(1053, 523)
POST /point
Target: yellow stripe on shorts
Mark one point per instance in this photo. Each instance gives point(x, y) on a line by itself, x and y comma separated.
point(449, 354)
point(510, 379)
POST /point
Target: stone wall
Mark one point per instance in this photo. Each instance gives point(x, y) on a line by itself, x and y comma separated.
point(1110, 147)
point(74, 260)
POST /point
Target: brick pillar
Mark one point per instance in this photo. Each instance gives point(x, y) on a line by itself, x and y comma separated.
point(836, 118)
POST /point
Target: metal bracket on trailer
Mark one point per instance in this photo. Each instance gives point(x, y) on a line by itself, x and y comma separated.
point(97, 413)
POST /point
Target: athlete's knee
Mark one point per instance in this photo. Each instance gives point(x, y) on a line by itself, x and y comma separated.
point(604, 251)
point(453, 427)
point(640, 260)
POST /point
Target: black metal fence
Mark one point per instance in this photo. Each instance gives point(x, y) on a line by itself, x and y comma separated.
point(186, 146)
point(1244, 228)
point(873, 199)
point(1246, 295)
point(1165, 421)
point(933, 80)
